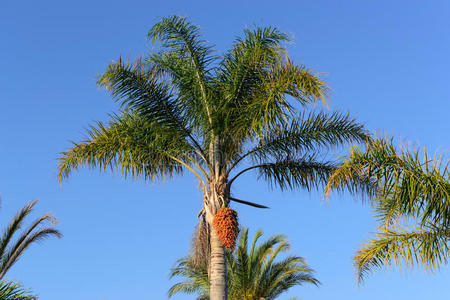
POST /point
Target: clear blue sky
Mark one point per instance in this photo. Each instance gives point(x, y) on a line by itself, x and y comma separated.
point(386, 61)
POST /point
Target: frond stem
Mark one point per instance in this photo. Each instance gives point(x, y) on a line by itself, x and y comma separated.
point(188, 167)
point(243, 171)
point(202, 88)
point(236, 162)
point(199, 149)
point(197, 165)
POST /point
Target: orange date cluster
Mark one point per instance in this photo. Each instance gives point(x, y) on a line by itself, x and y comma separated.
point(227, 227)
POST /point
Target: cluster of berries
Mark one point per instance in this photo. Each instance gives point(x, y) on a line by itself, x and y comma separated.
point(226, 226)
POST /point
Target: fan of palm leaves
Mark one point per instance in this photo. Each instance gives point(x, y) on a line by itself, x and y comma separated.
point(254, 271)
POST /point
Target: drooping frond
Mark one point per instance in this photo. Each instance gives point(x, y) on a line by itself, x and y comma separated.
point(270, 108)
point(303, 172)
point(281, 156)
point(404, 188)
point(201, 244)
point(311, 132)
point(402, 183)
point(290, 174)
point(14, 291)
point(427, 246)
point(297, 81)
point(141, 90)
point(131, 145)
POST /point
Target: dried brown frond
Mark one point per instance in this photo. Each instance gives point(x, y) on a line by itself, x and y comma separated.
point(200, 245)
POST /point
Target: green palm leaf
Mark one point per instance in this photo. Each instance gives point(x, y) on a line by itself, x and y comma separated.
point(401, 182)
point(427, 246)
point(131, 145)
point(14, 291)
point(181, 37)
point(253, 272)
point(11, 249)
point(404, 188)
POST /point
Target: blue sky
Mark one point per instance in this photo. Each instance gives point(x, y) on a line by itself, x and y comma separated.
point(386, 61)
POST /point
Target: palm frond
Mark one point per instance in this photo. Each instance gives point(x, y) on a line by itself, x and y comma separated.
point(180, 36)
point(240, 67)
point(269, 108)
point(305, 172)
point(201, 244)
point(15, 225)
point(131, 145)
point(400, 181)
point(14, 291)
point(256, 77)
point(10, 249)
point(32, 236)
point(297, 81)
point(309, 133)
point(253, 272)
point(141, 90)
point(290, 272)
point(197, 279)
point(427, 246)
point(181, 73)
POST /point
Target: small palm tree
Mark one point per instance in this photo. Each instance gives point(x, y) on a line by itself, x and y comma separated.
point(411, 197)
point(184, 108)
point(11, 250)
point(253, 273)
point(14, 291)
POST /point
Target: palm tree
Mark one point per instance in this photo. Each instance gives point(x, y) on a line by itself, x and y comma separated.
point(11, 250)
point(253, 274)
point(186, 109)
point(411, 197)
point(14, 291)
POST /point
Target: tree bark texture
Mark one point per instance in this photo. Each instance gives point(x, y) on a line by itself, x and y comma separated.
point(216, 199)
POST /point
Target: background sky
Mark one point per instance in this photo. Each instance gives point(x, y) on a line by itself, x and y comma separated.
point(387, 63)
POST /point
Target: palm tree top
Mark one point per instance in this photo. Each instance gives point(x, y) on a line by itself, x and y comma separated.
point(255, 270)
point(185, 108)
point(182, 101)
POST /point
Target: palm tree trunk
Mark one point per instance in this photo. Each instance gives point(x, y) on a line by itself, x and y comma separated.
point(217, 263)
point(218, 269)
point(216, 199)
